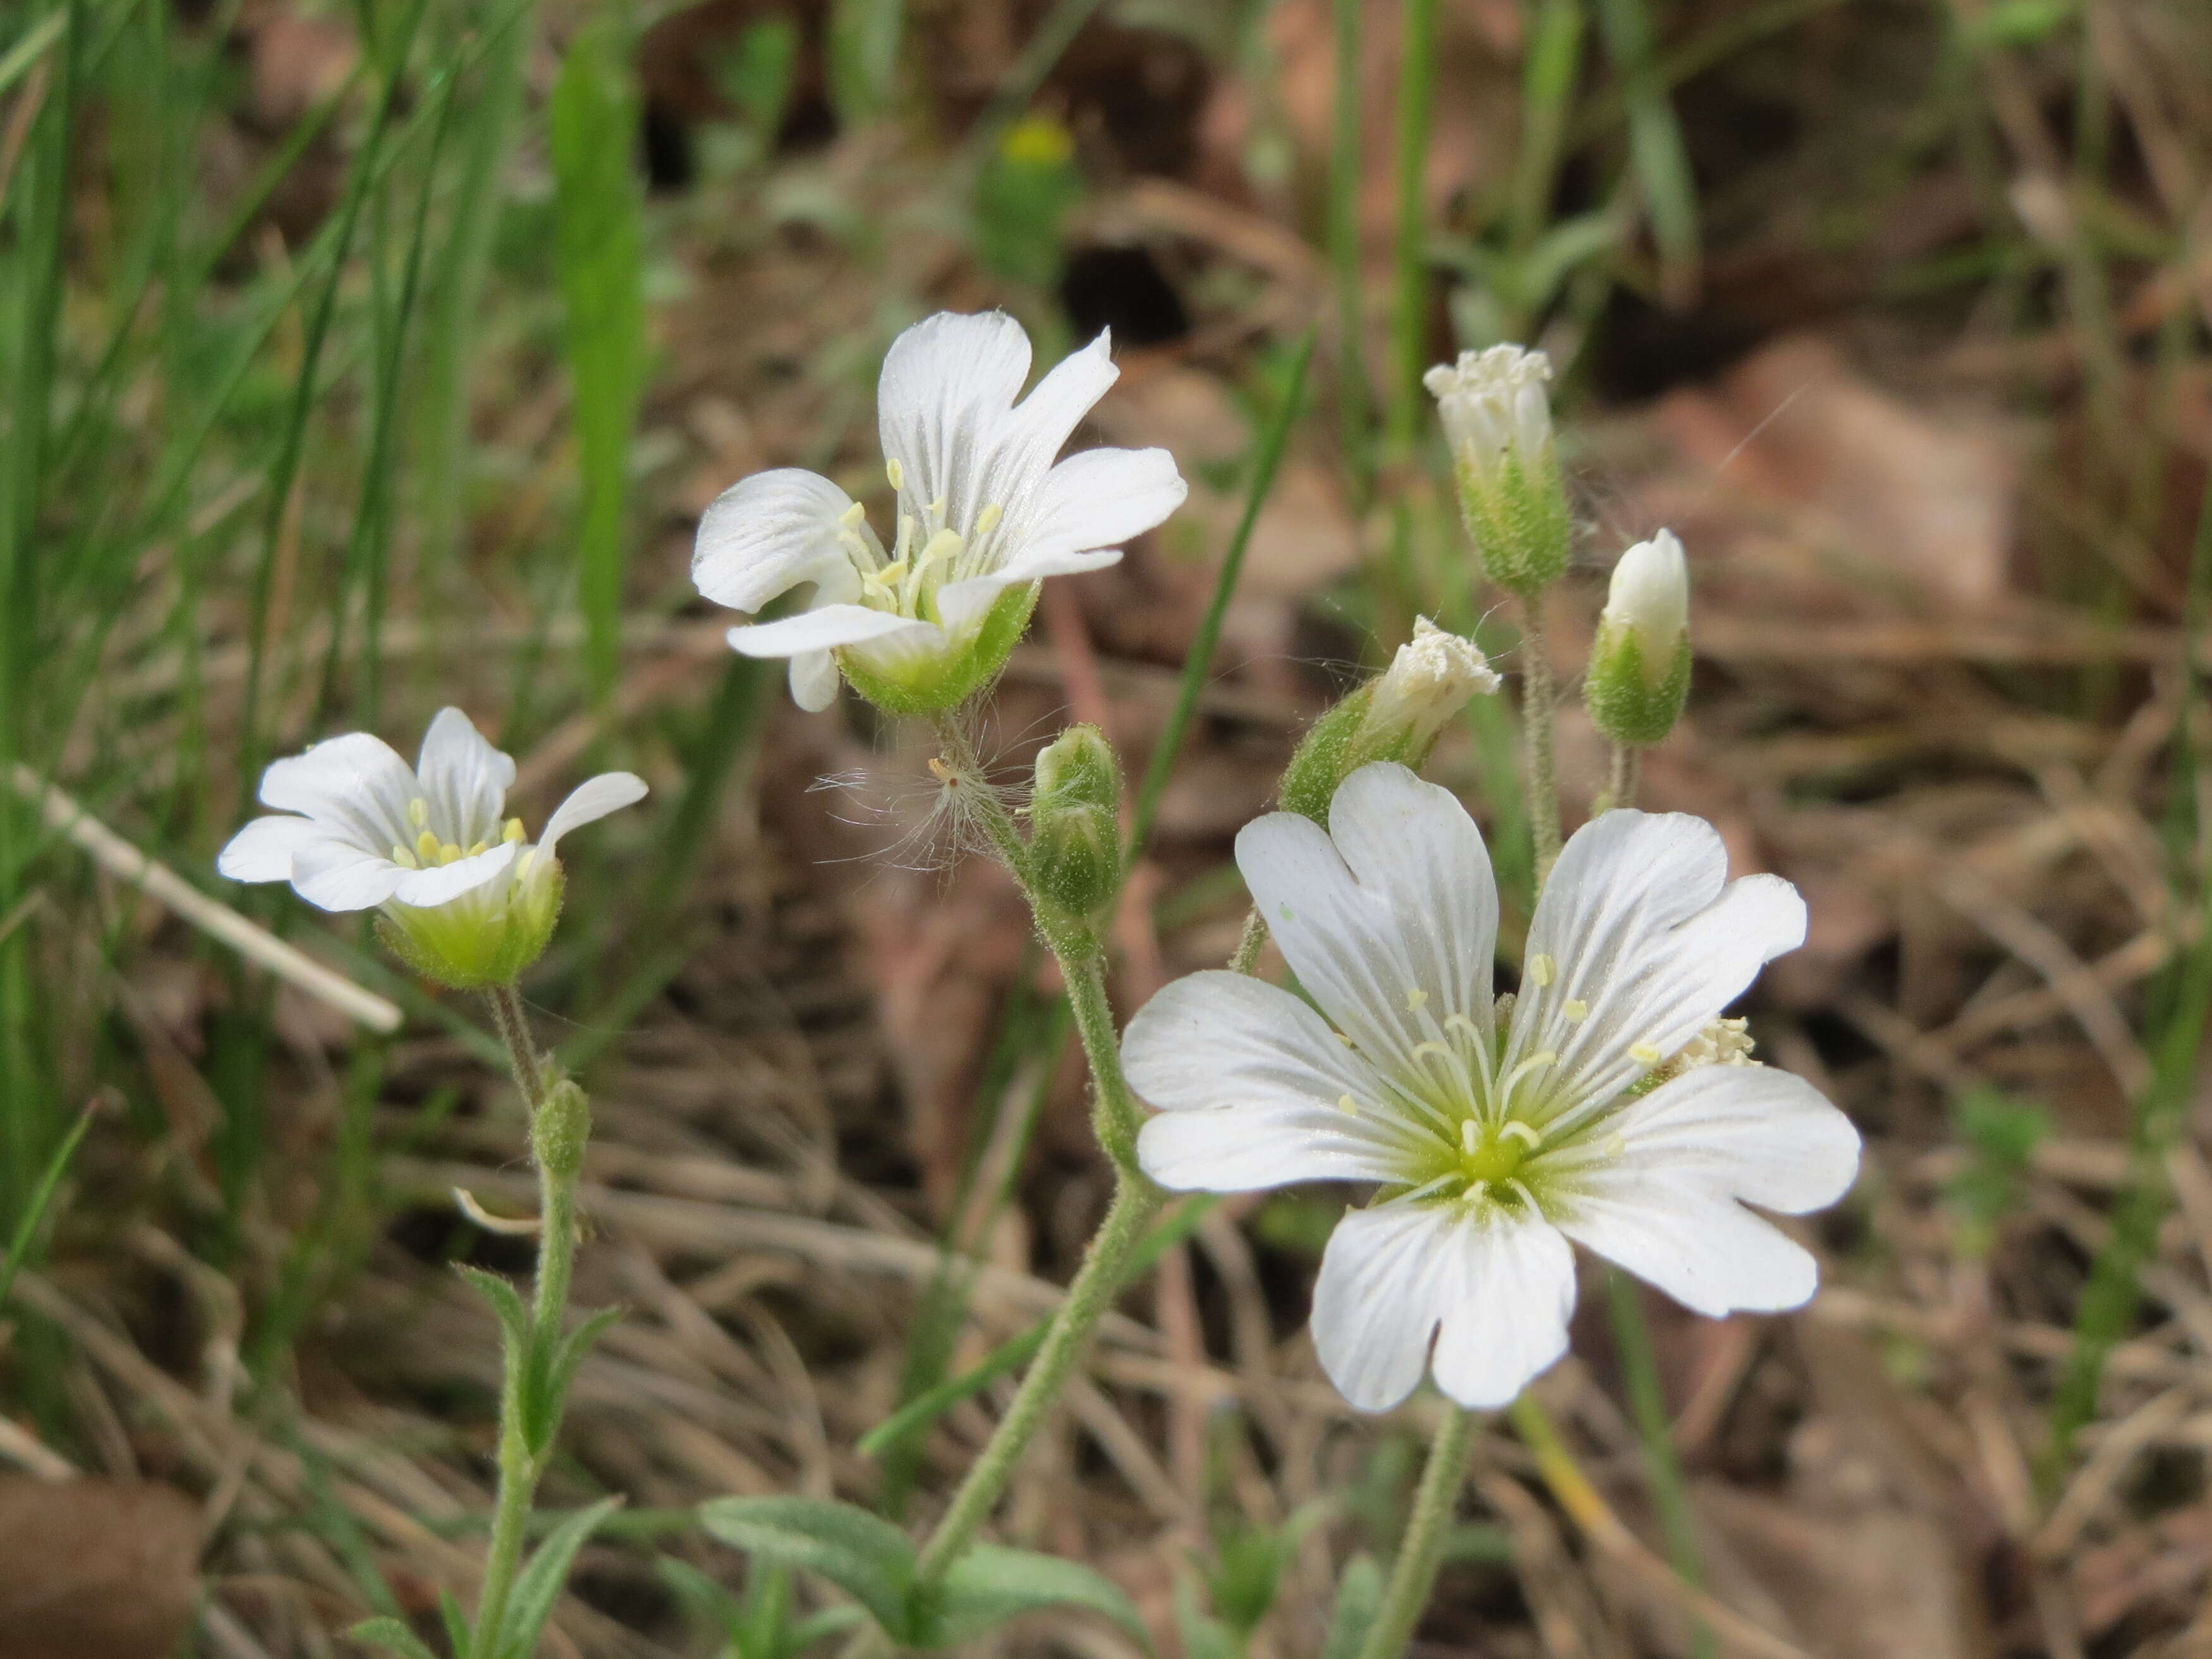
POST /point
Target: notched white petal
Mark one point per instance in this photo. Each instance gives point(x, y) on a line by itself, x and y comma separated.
point(768, 533)
point(263, 850)
point(334, 876)
point(441, 883)
point(588, 802)
point(827, 628)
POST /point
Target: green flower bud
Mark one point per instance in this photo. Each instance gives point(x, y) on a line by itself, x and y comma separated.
point(1395, 716)
point(1639, 667)
point(1075, 824)
point(489, 934)
point(1498, 419)
point(561, 1129)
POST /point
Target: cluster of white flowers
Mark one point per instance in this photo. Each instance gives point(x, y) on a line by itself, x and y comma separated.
point(1493, 1141)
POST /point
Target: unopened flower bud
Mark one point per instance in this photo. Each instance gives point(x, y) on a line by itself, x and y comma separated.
point(1395, 716)
point(562, 1127)
point(1075, 824)
point(1639, 669)
point(1498, 418)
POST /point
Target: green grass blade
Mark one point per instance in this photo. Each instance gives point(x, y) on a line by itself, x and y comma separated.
point(41, 1197)
point(1353, 392)
point(1273, 442)
point(1663, 1465)
point(600, 254)
point(1655, 151)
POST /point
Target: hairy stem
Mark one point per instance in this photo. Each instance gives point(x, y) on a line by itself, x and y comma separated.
point(1539, 709)
point(521, 1468)
point(1620, 781)
point(1415, 1570)
point(1253, 940)
point(1136, 1200)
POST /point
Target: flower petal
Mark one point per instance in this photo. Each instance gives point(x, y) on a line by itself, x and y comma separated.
point(1390, 918)
point(1038, 428)
point(828, 627)
point(1755, 1133)
point(814, 680)
point(1491, 1290)
point(963, 602)
point(354, 786)
point(334, 875)
point(263, 850)
point(947, 384)
point(768, 533)
point(440, 884)
point(464, 779)
point(1249, 1080)
point(1102, 498)
point(1636, 926)
point(588, 802)
point(1705, 1250)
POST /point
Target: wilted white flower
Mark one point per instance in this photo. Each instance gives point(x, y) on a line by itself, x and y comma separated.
point(1494, 1139)
point(983, 515)
point(1497, 418)
point(1395, 716)
point(1639, 666)
point(469, 901)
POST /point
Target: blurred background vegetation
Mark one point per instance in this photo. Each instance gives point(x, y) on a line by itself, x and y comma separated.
point(358, 359)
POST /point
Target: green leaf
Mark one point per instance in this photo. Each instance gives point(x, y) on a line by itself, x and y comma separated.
point(1358, 1599)
point(456, 1619)
point(392, 1637)
point(861, 1553)
point(505, 1302)
point(828, 1622)
point(989, 1585)
point(552, 1369)
point(542, 1578)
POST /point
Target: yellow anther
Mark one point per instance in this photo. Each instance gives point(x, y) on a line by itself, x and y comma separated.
point(987, 520)
point(401, 856)
point(418, 811)
point(1644, 1054)
point(936, 510)
point(1577, 1010)
point(1341, 1037)
point(1614, 1146)
point(476, 848)
point(895, 473)
point(426, 848)
point(522, 864)
point(513, 831)
point(1540, 970)
point(1348, 1104)
point(851, 517)
point(1416, 999)
point(448, 854)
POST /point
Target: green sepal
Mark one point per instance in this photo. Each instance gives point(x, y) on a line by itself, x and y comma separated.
point(1517, 520)
point(473, 942)
point(1625, 702)
point(1075, 864)
point(1338, 744)
point(393, 1636)
point(539, 1584)
point(937, 685)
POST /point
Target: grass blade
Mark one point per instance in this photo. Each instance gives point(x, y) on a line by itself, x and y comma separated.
point(42, 1195)
point(600, 254)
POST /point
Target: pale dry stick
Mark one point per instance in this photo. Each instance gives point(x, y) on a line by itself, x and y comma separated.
point(126, 863)
point(2101, 1470)
point(19, 1446)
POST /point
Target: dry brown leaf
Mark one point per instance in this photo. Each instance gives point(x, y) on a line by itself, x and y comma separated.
point(95, 1569)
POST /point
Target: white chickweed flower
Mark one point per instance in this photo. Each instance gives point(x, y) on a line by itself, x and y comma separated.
point(1639, 666)
point(983, 515)
point(1497, 418)
point(465, 898)
point(1493, 1139)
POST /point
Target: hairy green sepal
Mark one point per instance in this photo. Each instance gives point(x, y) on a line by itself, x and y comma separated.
point(939, 683)
point(482, 938)
point(1625, 703)
point(1517, 516)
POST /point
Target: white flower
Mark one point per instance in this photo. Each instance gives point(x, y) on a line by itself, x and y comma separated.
point(1651, 597)
point(359, 829)
point(983, 515)
point(1427, 682)
point(1492, 403)
point(1494, 1139)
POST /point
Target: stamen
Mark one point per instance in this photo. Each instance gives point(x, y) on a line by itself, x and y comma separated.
point(894, 472)
point(1540, 970)
point(522, 864)
point(987, 520)
point(1527, 1197)
point(1416, 999)
point(449, 854)
point(1521, 1131)
point(1644, 1054)
point(479, 846)
point(513, 831)
point(405, 859)
point(1466, 1137)
point(1614, 1146)
point(426, 848)
point(418, 811)
point(1576, 1010)
point(936, 511)
point(1536, 1062)
point(1346, 1104)
point(1462, 1022)
point(1436, 1048)
point(849, 519)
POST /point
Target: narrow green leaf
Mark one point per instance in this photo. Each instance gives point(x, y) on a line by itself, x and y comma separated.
point(861, 1553)
point(1358, 1599)
point(543, 1578)
point(505, 1302)
point(989, 1585)
point(392, 1637)
point(546, 1389)
point(455, 1618)
point(42, 1195)
point(600, 251)
point(863, 50)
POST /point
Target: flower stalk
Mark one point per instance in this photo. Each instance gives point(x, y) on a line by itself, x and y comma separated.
point(559, 1125)
point(1415, 1572)
point(1539, 717)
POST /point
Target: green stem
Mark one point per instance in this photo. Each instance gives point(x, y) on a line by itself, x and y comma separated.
point(1539, 708)
point(1136, 1200)
point(1113, 1114)
point(1620, 782)
point(519, 1468)
point(1415, 1572)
